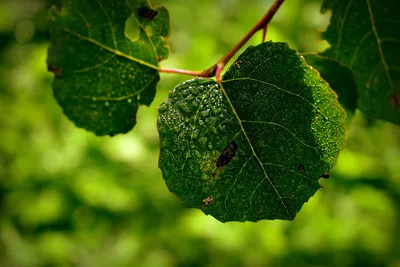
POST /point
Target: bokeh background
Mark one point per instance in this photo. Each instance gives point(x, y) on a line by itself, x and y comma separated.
point(69, 198)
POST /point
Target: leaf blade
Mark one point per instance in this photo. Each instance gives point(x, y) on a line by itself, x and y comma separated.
point(363, 38)
point(340, 78)
point(263, 178)
point(101, 75)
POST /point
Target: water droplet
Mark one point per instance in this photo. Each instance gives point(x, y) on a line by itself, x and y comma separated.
point(195, 134)
point(162, 108)
point(205, 113)
point(210, 146)
point(183, 107)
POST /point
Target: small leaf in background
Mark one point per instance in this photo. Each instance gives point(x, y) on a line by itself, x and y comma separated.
point(101, 74)
point(364, 36)
point(340, 78)
point(254, 146)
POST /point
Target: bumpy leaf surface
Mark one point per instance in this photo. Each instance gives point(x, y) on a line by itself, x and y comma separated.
point(364, 35)
point(253, 146)
point(102, 75)
point(340, 78)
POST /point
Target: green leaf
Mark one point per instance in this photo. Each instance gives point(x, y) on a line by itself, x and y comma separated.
point(364, 36)
point(340, 78)
point(101, 74)
point(253, 146)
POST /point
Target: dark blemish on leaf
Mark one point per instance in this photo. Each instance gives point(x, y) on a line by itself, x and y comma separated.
point(259, 212)
point(147, 13)
point(227, 155)
point(159, 58)
point(132, 119)
point(395, 100)
point(207, 201)
point(238, 63)
point(301, 168)
point(56, 70)
point(325, 176)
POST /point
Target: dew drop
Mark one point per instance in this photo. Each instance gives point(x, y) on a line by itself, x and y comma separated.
point(162, 108)
point(183, 107)
point(195, 134)
point(205, 113)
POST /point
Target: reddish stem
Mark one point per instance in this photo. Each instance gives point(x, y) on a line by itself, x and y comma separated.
point(179, 71)
point(261, 24)
point(264, 34)
point(217, 68)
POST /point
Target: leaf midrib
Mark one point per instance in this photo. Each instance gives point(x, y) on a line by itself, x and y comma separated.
point(112, 50)
point(266, 177)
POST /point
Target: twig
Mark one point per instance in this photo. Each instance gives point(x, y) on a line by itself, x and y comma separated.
point(179, 71)
point(217, 68)
point(261, 24)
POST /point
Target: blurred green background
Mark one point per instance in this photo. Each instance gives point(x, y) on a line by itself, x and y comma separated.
point(68, 198)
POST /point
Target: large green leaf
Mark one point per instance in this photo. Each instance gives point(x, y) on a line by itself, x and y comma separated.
point(101, 74)
point(340, 78)
point(253, 146)
point(365, 36)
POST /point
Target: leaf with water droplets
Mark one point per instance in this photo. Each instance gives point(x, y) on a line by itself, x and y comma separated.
point(340, 78)
point(364, 36)
point(103, 71)
point(253, 146)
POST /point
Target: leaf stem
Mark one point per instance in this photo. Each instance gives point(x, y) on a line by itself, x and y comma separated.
point(179, 71)
point(264, 34)
point(217, 68)
point(261, 24)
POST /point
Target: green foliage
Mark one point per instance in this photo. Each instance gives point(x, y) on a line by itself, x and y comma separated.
point(340, 78)
point(101, 74)
point(364, 37)
point(253, 146)
point(69, 198)
point(250, 147)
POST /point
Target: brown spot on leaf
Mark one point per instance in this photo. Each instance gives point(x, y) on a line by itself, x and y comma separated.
point(227, 155)
point(325, 176)
point(56, 70)
point(301, 168)
point(132, 119)
point(238, 63)
point(147, 13)
point(395, 100)
point(159, 58)
point(259, 212)
point(207, 201)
